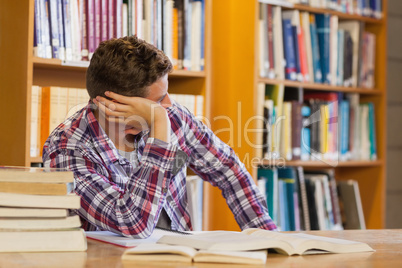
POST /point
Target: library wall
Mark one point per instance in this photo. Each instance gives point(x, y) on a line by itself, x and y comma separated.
point(394, 111)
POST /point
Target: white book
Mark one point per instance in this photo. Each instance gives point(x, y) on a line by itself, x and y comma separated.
point(35, 119)
point(333, 43)
point(196, 13)
point(71, 201)
point(32, 212)
point(257, 239)
point(170, 253)
point(50, 241)
point(278, 43)
point(31, 224)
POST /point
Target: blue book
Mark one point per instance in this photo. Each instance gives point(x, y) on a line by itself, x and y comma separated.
point(271, 190)
point(39, 50)
point(299, 76)
point(344, 133)
point(372, 130)
point(62, 45)
point(54, 29)
point(283, 204)
point(305, 134)
point(341, 46)
point(44, 13)
point(67, 29)
point(323, 32)
point(202, 34)
point(288, 176)
point(289, 50)
point(315, 51)
point(187, 36)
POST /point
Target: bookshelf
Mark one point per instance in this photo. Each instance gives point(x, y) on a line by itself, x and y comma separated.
point(20, 70)
point(236, 74)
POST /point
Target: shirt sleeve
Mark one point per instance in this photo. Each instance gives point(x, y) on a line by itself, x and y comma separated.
point(217, 163)
point(131, 210)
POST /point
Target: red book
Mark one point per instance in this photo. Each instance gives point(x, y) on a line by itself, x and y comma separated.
point(90, 12)
point(98, 14)
point(118, 25)
point(111, 19)
point(84, 34)
point(103, 20)
point(303, 54)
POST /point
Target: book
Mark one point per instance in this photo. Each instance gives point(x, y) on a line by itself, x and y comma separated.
point(170, 253)
point(257, 239)
point(32, 174)
point(71, 201)
point(351, 206)
point(43, 241)
point(36, 188)
point(32, 212)
point(31, 224)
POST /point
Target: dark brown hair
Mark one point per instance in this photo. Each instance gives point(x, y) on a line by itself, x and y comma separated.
point(126, 66)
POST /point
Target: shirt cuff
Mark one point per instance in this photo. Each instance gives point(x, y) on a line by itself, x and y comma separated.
point(160, 154)
point(264, 222)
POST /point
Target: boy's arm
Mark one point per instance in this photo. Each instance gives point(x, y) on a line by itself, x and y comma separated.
point(217, 163)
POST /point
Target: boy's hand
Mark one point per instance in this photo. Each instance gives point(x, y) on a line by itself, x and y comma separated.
point(137, 113)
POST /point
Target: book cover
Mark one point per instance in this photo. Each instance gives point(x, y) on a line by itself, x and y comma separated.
point(351, 208)
point(316, 60)
point(174, 253)
point(323, 33)
point(256, 239)
point(38, 188)
point(50, 241)
point(289, 50)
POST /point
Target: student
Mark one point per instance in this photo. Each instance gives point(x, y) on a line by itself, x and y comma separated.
point(130, 146)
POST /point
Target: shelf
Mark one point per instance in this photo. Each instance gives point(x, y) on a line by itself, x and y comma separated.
point(322, 87)
point(341, 15)
point(322, 164)
point(81, 66)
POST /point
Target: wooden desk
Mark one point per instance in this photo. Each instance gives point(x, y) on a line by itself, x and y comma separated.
point(387, 243)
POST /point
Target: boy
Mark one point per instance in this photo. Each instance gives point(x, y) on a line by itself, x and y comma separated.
point(130, 146)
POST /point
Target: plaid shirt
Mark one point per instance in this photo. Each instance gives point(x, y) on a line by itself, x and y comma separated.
point(127, 200)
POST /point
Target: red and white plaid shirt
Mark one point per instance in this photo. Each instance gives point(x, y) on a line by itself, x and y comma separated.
point(127, 200)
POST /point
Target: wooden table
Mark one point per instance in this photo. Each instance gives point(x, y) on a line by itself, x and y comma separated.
point(387, 243)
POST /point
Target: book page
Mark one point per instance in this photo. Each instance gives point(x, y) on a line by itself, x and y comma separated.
point(302, 242)
point(159, 252)
point(236, 257)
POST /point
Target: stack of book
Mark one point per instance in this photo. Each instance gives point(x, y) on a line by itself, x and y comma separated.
point(34, 211)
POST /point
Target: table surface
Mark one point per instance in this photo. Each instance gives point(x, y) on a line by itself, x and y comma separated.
point(387, 245)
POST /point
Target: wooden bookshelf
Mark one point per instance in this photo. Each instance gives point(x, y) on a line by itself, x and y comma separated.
point(20, 70)
point(236, 75)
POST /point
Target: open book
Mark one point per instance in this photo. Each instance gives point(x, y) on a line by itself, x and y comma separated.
point(257, 239)
point(168, 253)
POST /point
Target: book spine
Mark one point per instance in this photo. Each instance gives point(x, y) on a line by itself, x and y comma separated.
point(111, 19)
point(97, 24)
point(315, 51)
point(90, 15)
point(118, 18)
point(67, 29)
point(54, 29)
point(299, 76)
point(271, 70)
point(323, 32)
point(187, 37)
point(39, 49)
point(84, 30)
point(372, 132)
point(290, 58)
point(62, 44)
